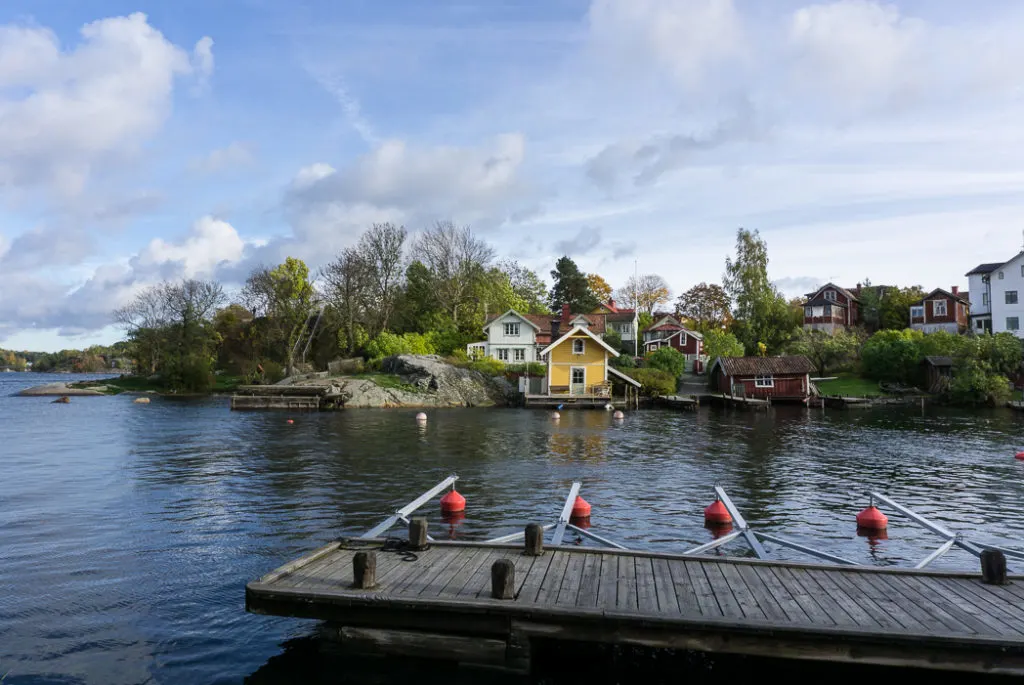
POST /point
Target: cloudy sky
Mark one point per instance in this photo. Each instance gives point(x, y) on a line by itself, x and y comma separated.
point(149, 140)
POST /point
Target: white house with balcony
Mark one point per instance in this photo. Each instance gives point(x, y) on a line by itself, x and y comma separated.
point(511, 338)
point(997, 296)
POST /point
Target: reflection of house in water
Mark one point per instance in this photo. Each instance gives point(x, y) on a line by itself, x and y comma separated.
point(581, 436)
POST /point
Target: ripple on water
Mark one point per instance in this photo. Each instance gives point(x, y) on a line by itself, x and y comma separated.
point(128, 531)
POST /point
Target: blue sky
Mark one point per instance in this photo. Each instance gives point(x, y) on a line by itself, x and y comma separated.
point(142, 141)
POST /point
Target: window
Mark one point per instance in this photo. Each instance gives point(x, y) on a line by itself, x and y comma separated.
point(579, 376)
point(808, 312)
point(577, 346)
point(764, 381)
point(1000, 275)
point(1022, 269)
point(917, 312)
point(984, 299)
point(512, 330)
point(980, 324)
point(1011, 297)
point(830, 295)
point(939, 307)
point(828, 310)
point(519, 354)
point(1013, 323)
point(503, 354)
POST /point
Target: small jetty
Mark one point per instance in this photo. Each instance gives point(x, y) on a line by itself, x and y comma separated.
point(289, 397)
point(739, 402)
point(680, 402)
point(486, 602)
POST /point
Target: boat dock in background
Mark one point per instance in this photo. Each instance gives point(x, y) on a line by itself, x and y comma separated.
point(485, 602)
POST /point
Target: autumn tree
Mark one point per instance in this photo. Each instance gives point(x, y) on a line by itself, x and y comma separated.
point(571, 288)
point(284, 299)
point(599, 287)
point(644, 293)
point(761, 312)
point(706, 305)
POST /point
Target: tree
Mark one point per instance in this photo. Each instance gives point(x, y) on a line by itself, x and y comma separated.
point(380, 250)
point(894, 309)
point(892, 356)
point(707, 306)
point(527, 285)
point(599, 287)
point(825, 351)
point(645, 293)
point(571, 288)
point(668, 359)
point(284, 298)
point(761, 312)
point(721, 344)
point(456, 260)
point(348, 285)
point(870, 307)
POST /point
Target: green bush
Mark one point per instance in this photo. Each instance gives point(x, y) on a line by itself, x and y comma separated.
point(974, 382)
point(458, 357)
point(654, 382)
point(721, 344)
point(667, 359)
point(893, 356)
point(447, 342)
point(388, 344)
point(527, 369)
point(488, 366)
point(623, 361)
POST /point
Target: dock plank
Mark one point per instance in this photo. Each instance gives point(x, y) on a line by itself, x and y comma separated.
point(986, 604)
point(730, 579)
point(538, 573)
point(590, 579)
point(782, 596)
point(480, 576)
point(752, 576)
point(608, 583)
point(646, 593)
point(626, 597)
point(571, 579)
point(937, 606)
point(665, 588)
point(461, 574)
point(692, 572)
point(815, 612)
point(548, 591)
point(831, 597)
point(886, 611)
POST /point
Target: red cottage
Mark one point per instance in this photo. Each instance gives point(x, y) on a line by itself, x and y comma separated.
point(941, 310)
point(669, 332)
point(778, 378)
point(831, 308)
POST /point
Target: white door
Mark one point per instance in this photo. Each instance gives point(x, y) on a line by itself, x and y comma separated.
point(578, 380)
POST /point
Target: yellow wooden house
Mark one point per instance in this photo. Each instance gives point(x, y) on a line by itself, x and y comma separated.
point(578, 364)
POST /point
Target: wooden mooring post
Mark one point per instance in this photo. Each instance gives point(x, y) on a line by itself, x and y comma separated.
point(418, 533)
point(364, 570)
point(534, 540)
point(503, 579)
point(993, 567)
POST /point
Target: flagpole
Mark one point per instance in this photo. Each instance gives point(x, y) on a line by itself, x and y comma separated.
point(636, 312)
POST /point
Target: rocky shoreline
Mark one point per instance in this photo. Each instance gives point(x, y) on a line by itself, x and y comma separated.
point(61, 389)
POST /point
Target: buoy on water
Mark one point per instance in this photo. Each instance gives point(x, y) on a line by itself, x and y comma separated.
point(872, 518)
point(618, 415)
point(580, 508)
point(453, 502)
point(141, 400)
point(421, 417)
point(555, 416)
point(290, 421)
point(1019, 455)
point(716, 513)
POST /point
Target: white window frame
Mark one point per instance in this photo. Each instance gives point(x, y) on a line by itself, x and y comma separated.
point(512, 329)
point(764, 381)
point(984, 299)
point(502, 354)
point(809, 312)
point(936, 308)
point(980, 324)
point(518, 354)
point(582, 344)
point(1016, 298)
point(1022, 270)
point(917, 312)
point(829, 295)
point(1000, 275)
point(1016, 320)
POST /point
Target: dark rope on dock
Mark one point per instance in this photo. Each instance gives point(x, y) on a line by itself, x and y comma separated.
point(390, 544)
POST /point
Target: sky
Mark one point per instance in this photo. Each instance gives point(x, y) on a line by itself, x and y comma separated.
point(142, 141)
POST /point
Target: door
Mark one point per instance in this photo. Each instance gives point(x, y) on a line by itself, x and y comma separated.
point(578, 380)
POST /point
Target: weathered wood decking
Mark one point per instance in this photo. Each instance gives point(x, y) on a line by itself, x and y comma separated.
point(440, 599)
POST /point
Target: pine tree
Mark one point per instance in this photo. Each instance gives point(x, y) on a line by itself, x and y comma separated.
point(571, 287)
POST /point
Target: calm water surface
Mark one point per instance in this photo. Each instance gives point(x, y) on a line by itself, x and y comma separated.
point(128, 532)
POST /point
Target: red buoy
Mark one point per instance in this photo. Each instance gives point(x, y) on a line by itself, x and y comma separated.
point(580, 508)
point(290, 421)
point(453, 502)
point(716, 513)
point(872, 519)
point(1020, 455)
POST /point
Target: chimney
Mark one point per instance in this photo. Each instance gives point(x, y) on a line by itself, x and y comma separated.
point(611, 304)
point(565, 313)
point(956, 290)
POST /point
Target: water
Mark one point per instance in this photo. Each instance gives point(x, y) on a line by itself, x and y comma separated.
point(128, 532)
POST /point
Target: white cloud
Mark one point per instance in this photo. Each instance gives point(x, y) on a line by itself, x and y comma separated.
point(211, 243)
point(202, 60)
point(686, 38)
point(63, 112)
point(234, 155)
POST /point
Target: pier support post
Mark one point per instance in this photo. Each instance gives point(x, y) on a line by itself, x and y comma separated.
point(364, 570)
point(418, 533)
point(503, 579)
point(534, 540)
point(993, 567)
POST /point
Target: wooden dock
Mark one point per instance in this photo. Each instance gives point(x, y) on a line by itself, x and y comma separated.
point(684, 403)
point(438, 602)
point(749, 403)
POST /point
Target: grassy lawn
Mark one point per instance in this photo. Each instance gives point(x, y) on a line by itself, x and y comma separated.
point(385, 380)
point(850, 385)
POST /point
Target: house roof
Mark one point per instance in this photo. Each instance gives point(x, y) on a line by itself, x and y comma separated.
point(621, 315)
point(523, 317)
point(938, 360)
point(588, 333)
point(629, 379)
point(984, 268)
point(835, 287)
point(764, 366)
point(822, 300)
point(962, 297)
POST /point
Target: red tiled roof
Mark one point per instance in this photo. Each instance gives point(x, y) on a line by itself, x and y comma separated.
point(766, 366)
